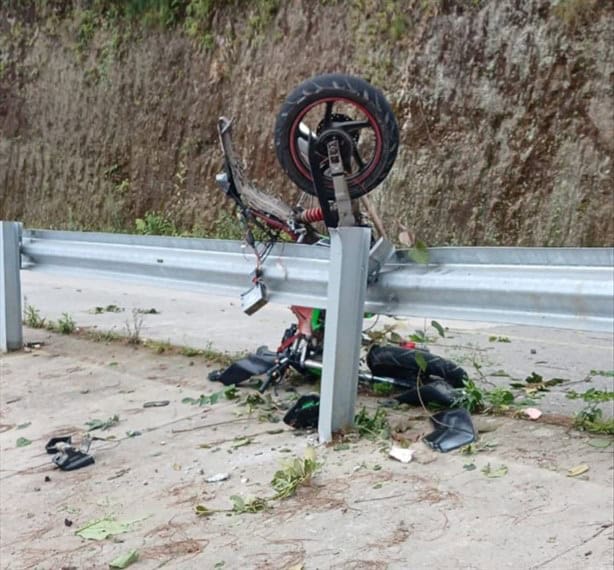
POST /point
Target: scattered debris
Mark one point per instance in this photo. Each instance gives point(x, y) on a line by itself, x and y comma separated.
point(578, 470)
point(118, 474)
point(474, 448)
point(24, 425)
point(102, 529)
point(124, 560)
point(69, 457)
point(133, 433)
point(241, 441)
point(202, 511)
point(294, 473)
point(453, 429)
point(230, 393)
point(156, 404)
point(67, 522)
point(500, 471)
point(305, 412)
point(532, 413)
point(217, 478)
point(23, 441)
point(469, 467)
point(402, 454)
point(255, 505)
point(102, 424)
point(535, 383)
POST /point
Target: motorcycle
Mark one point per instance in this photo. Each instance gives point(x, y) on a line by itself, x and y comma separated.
point(329, 125)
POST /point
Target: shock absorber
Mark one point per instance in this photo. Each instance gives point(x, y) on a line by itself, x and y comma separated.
point(310, 215)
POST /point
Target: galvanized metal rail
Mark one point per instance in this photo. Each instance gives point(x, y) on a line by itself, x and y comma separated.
point(550, 287)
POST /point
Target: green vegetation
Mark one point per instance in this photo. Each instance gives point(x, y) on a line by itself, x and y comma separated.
point(194, 17)
point(575, 13)
point(382, 388)
point(374, 426)
point(471, 397)
point(591, 419)
point(65, 324)
point(495, 338)
point(255, 505)
point(32, 318)
point(591, 396)
point(293, 474)
point(155, 224)
point(229, 393)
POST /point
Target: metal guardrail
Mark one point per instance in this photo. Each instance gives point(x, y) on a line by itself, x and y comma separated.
point(552, 287)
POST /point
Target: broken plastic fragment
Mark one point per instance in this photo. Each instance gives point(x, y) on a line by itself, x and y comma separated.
point(532, 413)
point(401, 454)
point(578, 470)
point(217, 478)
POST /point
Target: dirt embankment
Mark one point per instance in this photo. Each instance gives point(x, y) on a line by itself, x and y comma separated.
point(506, 111)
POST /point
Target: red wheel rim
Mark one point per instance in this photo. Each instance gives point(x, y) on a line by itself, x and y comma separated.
point(356, 179)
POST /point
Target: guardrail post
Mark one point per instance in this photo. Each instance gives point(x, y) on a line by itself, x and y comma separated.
point(347, 285)
point(11, 331)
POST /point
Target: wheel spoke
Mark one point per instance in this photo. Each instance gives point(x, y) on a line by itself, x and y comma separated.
point(328, 113)
point(358, 159)
point(304, 131)
point(352, 125)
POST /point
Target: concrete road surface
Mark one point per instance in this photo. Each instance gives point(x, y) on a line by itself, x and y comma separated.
point(528, 495)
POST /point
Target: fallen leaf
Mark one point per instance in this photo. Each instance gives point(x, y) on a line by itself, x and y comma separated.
point(202, 511)
point(599, 443)
point(577, 470)
point(23, 442)
point(401, 454)
point(25, 425)
point(124, 560)
point(469, 466)
point(103, 528)
point(241, 441)
point(500, 471)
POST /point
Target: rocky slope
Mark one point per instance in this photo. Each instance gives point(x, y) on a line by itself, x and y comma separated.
point(506, 111)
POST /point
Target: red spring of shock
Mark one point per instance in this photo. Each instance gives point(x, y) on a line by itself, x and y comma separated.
point(311, 215)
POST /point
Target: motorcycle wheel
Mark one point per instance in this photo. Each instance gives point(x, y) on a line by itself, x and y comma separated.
point(341, 102)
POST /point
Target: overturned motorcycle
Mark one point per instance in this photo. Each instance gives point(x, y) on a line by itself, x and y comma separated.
point(336, 137)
